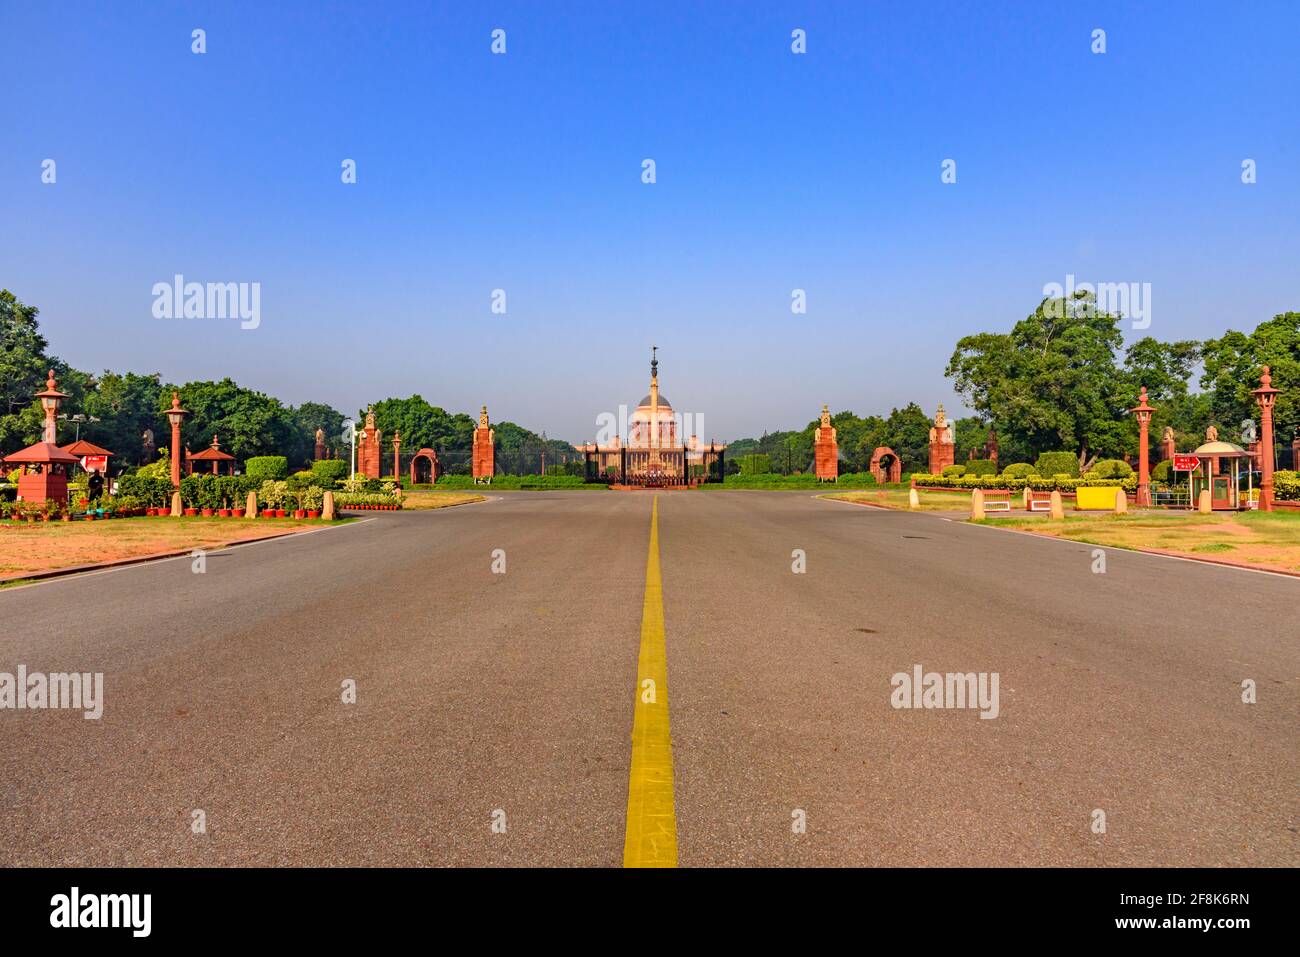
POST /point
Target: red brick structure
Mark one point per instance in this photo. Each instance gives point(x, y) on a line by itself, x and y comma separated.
point(319, 452)
point(943, 449)
point(397, 458)
point(484, 454)
point(424, 467)
point(1168, 447)
point(45, 466)
point(893, 472)
point(826, 451)
point(368, 452)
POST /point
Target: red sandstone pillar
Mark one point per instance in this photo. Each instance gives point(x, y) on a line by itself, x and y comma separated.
point(1143, 413)
point(1265, 396)
point(397, 445)
point(175, 415)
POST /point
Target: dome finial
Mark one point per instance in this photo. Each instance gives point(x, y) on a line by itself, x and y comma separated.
point(654, 362)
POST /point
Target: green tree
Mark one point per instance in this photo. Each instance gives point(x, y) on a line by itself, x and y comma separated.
point(24, 364)
point(1233, 364)
point(1052, 382)
point(307, 418)
point(422, 424)
point(125, 404)
point(248, 423)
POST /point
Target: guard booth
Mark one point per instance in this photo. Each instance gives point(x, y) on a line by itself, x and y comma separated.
point(1221, 469)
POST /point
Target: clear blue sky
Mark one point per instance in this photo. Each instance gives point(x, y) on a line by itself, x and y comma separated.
point(522, 172)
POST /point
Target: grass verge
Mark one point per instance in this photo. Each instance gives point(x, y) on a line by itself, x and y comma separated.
point(46, 546)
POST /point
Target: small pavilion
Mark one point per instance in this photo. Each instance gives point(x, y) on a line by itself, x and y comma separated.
point(214, 455)
point(89, 450)
point(45, 466)
point(45, 469)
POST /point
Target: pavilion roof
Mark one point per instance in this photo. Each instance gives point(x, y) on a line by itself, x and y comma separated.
point(42, 453)
point(82, 447)
point(211, 455)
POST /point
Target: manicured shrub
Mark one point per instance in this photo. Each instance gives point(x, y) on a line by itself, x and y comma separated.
point(1286, 485)
point(955, 471)
point(153, 492)
point(267, 468)
point(329, 471)
point(1162, 471)
point(1019, 470)
point(1110, 468)
point(981, 467)
point(1058, 463)
point(756, 464)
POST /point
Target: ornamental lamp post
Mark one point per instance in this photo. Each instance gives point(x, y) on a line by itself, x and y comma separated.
point(50, 400)
point(1143, 413)
point(397, 446)
point(1265, 396)
point(176, 415)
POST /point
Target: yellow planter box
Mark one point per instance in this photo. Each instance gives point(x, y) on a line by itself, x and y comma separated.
point(1095, 498)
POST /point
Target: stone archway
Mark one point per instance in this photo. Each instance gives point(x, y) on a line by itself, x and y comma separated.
point(424, 467)
point(886, 472)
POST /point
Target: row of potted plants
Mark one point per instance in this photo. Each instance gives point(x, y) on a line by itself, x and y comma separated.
point(368, 501)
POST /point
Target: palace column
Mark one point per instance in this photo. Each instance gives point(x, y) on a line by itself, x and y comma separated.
point(826, 451)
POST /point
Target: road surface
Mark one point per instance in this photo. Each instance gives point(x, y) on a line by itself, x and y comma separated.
point(509, 698)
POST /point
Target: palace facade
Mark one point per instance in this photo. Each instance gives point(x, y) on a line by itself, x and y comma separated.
point(655, 454)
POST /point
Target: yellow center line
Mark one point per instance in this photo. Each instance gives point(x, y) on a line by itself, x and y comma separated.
point(651, 837)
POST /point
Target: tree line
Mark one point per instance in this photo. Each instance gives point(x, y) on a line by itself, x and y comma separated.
point(118, 408)
point(1062, 380)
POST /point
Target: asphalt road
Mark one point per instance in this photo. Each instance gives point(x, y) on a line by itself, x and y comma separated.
point(480, 692)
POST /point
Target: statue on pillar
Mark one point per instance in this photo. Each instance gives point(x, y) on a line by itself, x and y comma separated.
point(943, 451)
point(826, 450)
point(484, 459)
point(319, 452)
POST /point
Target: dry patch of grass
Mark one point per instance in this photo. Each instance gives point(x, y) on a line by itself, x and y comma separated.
point(897, 498)
point(45, 546)
point(417, 499)
point(1256, 538)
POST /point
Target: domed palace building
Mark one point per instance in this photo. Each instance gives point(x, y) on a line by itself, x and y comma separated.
point(655, 454)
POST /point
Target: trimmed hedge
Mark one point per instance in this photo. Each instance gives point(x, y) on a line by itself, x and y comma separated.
point(1058, 463)
point(329, 471)
point(526, 482)
point(267, 468)
point(981, 467)
point(153, 492)
point(1162, 471)
point(955, 471)
point(803, 480)
point(967, 482)
point(1110, 468)
point(1019, 470)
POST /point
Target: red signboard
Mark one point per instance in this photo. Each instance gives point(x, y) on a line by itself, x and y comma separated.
point(1186, 463)
point(94, 463)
